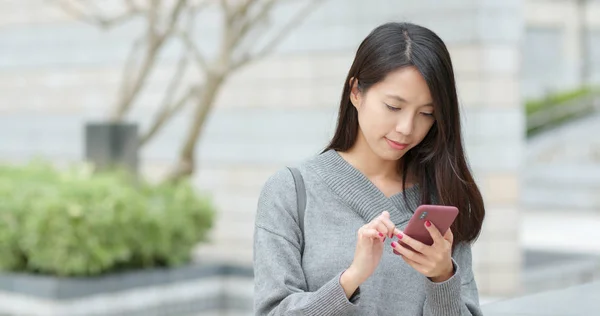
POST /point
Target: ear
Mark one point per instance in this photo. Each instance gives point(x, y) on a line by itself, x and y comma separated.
point(355, 94)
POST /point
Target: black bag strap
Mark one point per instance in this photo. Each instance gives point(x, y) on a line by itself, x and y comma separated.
point(301, 198)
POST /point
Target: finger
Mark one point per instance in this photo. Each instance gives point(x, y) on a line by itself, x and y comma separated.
point(372, 233)
point(379, 226)
point(405, 252)
point(391, 227)
point(434, 232)
point(415, 244)
point(449, 236)
point(415, 265)
point(397, 232)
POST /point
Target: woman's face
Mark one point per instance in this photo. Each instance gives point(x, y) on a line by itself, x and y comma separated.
point(395, 114)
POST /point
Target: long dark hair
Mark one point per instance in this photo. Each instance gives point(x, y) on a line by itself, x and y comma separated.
point(438, 162)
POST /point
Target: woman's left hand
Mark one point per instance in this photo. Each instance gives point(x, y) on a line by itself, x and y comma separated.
point(435, 261)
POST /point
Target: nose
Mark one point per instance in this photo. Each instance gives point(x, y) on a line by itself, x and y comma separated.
point(406, 123)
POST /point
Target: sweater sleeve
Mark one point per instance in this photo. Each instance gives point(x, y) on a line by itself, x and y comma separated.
point(279, 283)
point(457, 296)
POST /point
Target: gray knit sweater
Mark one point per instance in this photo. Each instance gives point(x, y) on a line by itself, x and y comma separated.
point(340, 199)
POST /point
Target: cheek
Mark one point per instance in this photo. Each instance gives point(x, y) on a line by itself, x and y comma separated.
point(423, 128)
point(375, 120)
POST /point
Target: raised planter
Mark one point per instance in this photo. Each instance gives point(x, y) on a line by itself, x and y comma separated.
point(112, 144)
point(194, 289)
point(545, 271)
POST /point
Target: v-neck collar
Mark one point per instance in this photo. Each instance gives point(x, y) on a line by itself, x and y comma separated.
point(360, 193)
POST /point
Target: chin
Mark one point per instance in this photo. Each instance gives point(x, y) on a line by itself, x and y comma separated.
point(390, 154)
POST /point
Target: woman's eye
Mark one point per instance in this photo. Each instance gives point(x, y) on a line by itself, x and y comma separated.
point(427, 114)
point(391, 108)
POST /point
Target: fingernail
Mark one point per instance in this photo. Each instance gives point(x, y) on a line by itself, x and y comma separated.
point(394, 244)
point(399, 236)
point(383, 238)
point(380, 235)
point(427, 223)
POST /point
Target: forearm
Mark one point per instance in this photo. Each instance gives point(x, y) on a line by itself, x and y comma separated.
point(350, 282)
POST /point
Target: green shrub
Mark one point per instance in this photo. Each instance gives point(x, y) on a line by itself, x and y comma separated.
point(558, 100)
point(77, 222)
point(535, 105)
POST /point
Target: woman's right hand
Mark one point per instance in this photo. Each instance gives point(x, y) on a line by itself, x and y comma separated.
point(369, 249)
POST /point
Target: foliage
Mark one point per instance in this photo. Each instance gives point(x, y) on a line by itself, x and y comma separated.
point(552, 99)
point(558, 108)
point(79, 222)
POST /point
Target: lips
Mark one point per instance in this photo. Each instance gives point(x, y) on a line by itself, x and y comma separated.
point(396, 145)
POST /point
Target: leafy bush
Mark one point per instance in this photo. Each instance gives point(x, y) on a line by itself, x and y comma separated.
point(78, 222)
point(552, 99)
point(561, 101)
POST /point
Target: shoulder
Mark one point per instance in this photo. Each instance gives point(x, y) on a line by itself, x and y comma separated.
point(279, 181)
point(280, 187)
point(277, 199)
point(282, 180)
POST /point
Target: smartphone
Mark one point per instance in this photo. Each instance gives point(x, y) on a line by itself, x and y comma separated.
point(442, 216)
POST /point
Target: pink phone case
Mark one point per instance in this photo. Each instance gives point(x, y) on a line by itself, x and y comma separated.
point(441, 216)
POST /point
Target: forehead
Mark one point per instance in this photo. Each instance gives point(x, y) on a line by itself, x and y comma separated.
point(406, 82)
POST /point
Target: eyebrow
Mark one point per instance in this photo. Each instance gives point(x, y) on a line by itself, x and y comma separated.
point(401, 99)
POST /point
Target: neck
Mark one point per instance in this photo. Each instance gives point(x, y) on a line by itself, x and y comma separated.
point(361, 157)
point(361, 194)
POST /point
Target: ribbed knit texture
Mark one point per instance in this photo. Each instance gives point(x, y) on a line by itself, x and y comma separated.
point(340, 199)
point(360, 193)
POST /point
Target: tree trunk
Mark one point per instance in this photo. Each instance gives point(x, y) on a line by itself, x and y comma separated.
point(186, 164)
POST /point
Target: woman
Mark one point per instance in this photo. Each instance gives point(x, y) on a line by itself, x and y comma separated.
point(397, 145)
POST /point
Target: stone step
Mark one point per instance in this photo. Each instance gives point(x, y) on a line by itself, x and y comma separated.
point(544, 270)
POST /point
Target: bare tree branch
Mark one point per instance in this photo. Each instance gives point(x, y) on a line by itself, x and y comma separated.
point(167, 111)
point(242, 9)
point(191, 47)
point(95, 16)
point(247, 24)
point(203, 106)
point(152, 17)
point(225, 7)
point(176, 79)
point(132, 5)
point(133, 87)
point(272, 44)
point(156, 41)
point(236, 31)
point(175, 14)
point(128, 68)
point(71, 9)
point(187, 34)
point(195, 7)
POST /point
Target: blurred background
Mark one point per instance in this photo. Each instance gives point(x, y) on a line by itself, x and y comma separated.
point(201, 101)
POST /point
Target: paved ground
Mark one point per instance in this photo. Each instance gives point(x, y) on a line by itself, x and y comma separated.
point(572, 234)
point(579, 300)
